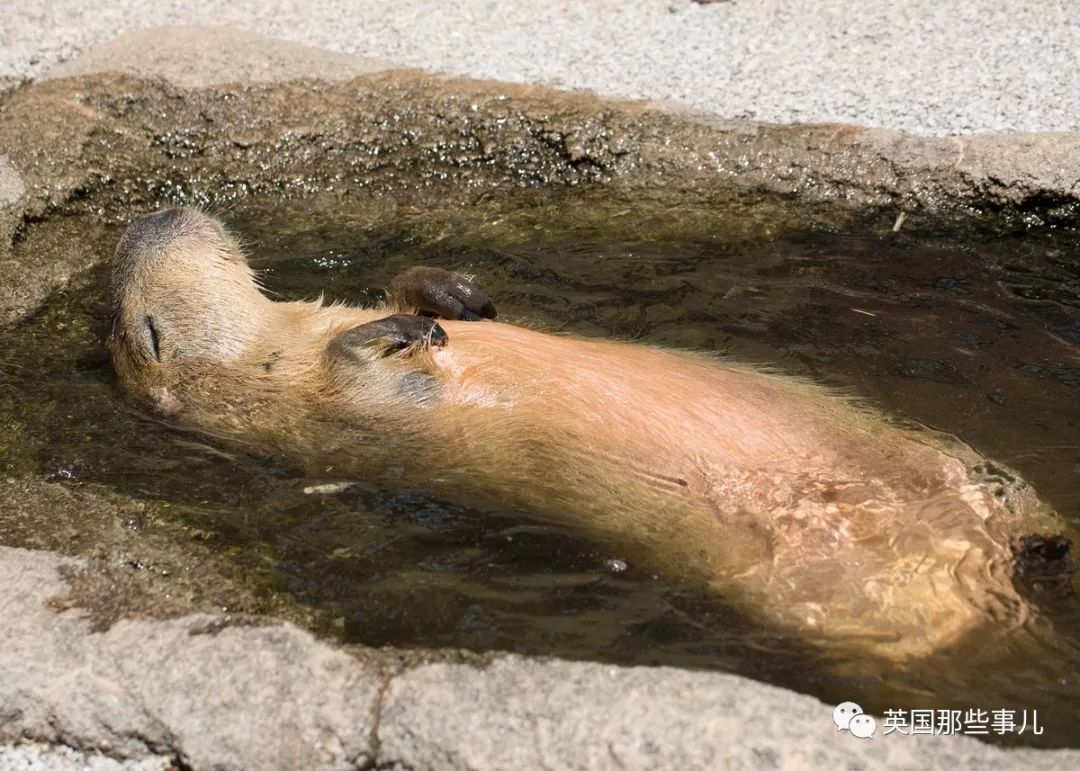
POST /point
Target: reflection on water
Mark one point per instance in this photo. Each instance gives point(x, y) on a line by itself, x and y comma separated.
point(980, 338)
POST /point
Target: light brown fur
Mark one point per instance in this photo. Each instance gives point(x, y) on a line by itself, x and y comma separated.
point(807, 510)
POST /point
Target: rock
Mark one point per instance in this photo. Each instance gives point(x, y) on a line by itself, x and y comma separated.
point(522, 713)
point(42, 757)
point(213, 696)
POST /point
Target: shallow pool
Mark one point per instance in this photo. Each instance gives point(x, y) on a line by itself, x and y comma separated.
point(978, 337)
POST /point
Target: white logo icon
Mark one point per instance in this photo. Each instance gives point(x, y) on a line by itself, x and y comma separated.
point(849, 716)
point(843, 713)
point(863, 726)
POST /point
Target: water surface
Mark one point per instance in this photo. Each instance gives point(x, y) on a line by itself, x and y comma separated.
point(978, 337)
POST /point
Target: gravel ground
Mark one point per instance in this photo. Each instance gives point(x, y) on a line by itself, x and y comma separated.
point(920, 65)
point(38, 757)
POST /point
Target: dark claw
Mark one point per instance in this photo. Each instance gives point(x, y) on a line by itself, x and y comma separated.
point(1044, 556)
point(393, 334)
point(441, 293)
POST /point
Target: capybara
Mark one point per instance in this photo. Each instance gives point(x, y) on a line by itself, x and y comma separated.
point(812, 513)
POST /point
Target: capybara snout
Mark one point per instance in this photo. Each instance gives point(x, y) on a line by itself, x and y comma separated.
point(807, 509)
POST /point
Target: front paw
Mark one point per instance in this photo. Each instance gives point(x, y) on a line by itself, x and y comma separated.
point(442, 293)
point(390, 335)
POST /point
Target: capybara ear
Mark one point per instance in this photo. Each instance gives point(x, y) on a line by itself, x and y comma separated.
point(384, 337)
point(441, 293)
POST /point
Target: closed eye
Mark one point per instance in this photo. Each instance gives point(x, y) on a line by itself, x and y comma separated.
point(148, 323)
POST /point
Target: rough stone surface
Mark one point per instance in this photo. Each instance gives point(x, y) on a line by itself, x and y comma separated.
point(11, 185)
point(40, 757)
point(211, 695)
point(597, 140)
point(216, 696)
point(920, 65)
point(11, 191)
point(519, 713)
point(139, 134)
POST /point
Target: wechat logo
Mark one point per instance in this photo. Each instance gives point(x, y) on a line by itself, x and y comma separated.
point(849, 716)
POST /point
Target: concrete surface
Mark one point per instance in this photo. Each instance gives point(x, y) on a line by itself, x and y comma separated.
point(212, 695)
point(921, 65)
point(225, 56)
point(31, 756)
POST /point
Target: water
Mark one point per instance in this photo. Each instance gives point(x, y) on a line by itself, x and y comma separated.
point(978, 337)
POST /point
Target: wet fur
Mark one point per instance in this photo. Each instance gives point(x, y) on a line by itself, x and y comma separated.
point(803, 506)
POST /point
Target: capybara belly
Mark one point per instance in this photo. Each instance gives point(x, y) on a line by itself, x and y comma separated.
point(807, 508)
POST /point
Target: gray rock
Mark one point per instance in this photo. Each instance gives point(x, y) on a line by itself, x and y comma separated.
point(216, 696)
point(41, 757)
point(521, 713)
point(213, 696)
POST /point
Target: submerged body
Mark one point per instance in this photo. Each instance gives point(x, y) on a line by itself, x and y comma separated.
point(809, 512)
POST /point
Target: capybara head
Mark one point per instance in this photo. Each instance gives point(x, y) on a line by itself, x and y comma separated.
point(181, 289)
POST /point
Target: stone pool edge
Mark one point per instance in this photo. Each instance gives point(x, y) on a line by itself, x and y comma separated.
point(206, 693)
point(525, 135)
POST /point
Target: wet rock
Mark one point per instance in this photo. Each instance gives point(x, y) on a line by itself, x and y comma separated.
point(12, 189)
point(11, 184)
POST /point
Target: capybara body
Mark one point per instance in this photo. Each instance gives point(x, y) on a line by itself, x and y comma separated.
point(806, 510)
